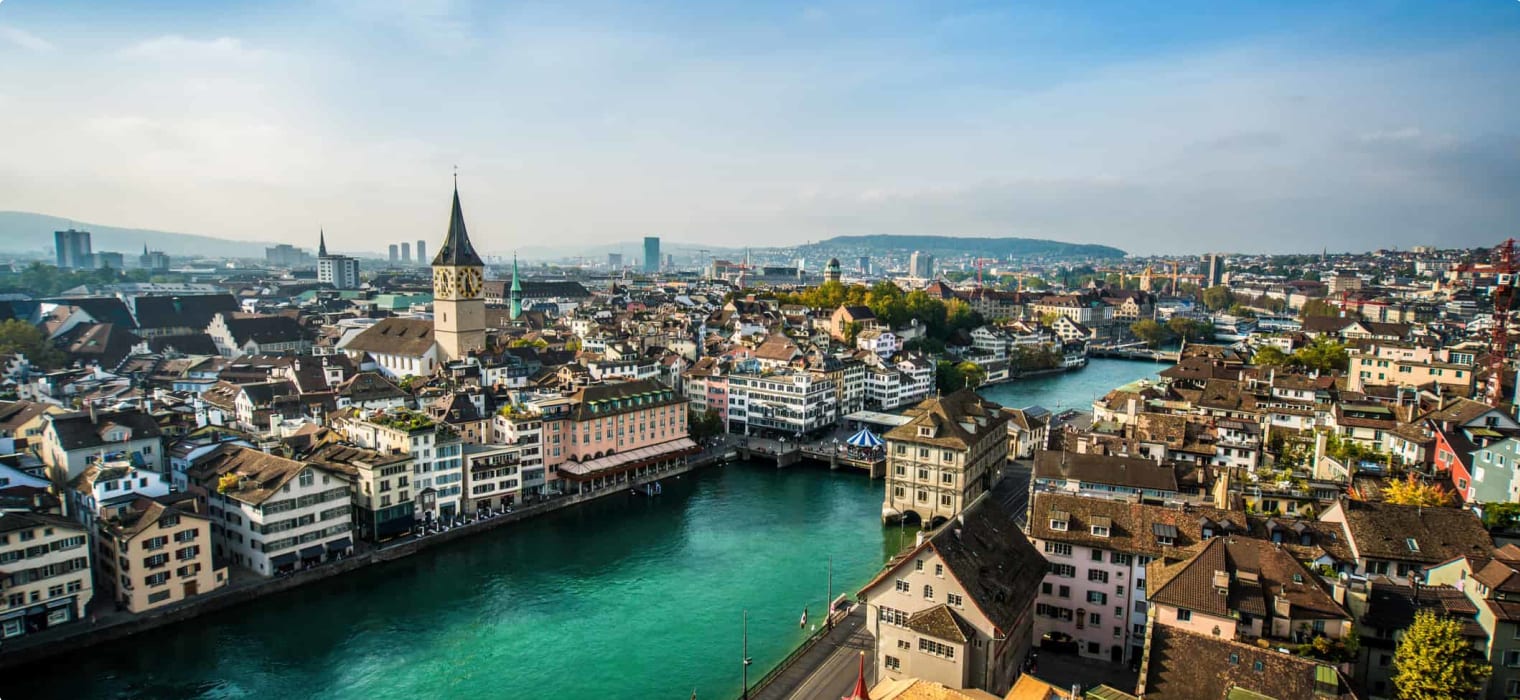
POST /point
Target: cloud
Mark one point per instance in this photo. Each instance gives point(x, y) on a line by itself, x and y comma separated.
point(178, 49)
point(24, 39)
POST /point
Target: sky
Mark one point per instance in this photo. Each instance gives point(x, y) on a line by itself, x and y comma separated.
point(1175, 127)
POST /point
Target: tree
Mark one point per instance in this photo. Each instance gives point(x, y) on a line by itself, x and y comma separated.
point(1501, 516)
point(972, 374)
point(1435, 662)
point(851, 332)
point(1190, 329)
point(1218, 297)
point(18, 336)
point(1149, 331)
point(1323, 355)
point(703, 425)
point(948, 377)
point(1318, 307)
point(1413, 492)
point(1270, 356)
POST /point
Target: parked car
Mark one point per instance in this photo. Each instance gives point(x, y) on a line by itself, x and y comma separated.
point(1058, 642)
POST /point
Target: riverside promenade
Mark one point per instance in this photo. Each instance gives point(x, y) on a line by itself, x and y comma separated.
point(104, 625)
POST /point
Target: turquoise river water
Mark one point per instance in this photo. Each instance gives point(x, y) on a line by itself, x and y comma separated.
point(626, 597)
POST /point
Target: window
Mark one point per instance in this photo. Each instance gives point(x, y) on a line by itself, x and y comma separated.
point(954, 599)
point(918, 565)
point(1098, 575)
point(893, 663)
point(929, 592)
point(158, 597)
point(1512, 658)
point(1097, 555)
point(893, 617)
point(1140, 607)
point(1119, 590)
point(1183, 614)
point(1098, 597)
point(1058, 525)
point(1064, 591)
point(929, 646)
point(1124, 559)
point(1063, 570)
point(902, 586)
point(903, 644)
point(1234, 659)
point(939, 570)
point(1100, 530)
point(308, 478)
point(1058, 548)
point(1258, 666)
point(1046, 588)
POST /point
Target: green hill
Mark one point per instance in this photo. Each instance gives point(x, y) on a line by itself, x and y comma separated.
point(25, 232)
point(957, 245)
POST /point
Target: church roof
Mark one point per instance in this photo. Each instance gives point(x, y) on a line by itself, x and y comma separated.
point(456, 249)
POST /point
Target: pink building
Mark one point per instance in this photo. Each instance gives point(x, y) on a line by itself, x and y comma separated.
point(621, 433)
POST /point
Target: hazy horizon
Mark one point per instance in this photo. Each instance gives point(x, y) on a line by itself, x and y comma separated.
point(1180, 128)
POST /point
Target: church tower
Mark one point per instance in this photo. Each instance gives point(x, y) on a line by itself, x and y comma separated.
point(516, 291)
point(459, 304)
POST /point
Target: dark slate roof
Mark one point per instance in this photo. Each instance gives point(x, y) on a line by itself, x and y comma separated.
point(1190, 583)
point(1384, 531)
point(1133, 472)
point(106, 342)
point(189, 310)
point(102, 309)
point(456, 249)
point(547, 290)
point(77, 432)
point(601, 400)
point(264, 329)
point(190, 344)
point(11, 521)
point(1186, 666)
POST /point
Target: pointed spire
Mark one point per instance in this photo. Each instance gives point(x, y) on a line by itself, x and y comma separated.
point(861, 692)
point(516, 291)
point(321, 243)
point(456, 249)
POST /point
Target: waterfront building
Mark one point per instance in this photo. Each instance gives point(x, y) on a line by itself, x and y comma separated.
point(382, 488)
point(47, 579)
point(493, 476)
point(102, 485)
point(156, 552)
point(788, 403)
point(340, 271)
point(271, 514)
point(951, 451)
point(621, 432)
point(1028, 431)
point(848, 375)
point(958, 609)
point(435, 448)
point(540, 432)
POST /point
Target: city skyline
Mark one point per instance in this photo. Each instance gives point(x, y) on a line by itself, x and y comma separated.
point(1267, 129)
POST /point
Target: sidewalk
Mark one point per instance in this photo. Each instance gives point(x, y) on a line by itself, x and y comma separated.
point(832, 661)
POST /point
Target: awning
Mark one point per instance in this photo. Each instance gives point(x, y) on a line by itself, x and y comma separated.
point(622, 461)
point(337, 545)
point(865, 438)
point(1164, 530)
point(285, 559)
point(311, 552)
point(60, 603)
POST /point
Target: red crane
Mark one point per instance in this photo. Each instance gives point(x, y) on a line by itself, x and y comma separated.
point(1503, 295)
point(979, 262)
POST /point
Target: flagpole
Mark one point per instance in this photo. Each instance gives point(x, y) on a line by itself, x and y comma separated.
point(828, 602)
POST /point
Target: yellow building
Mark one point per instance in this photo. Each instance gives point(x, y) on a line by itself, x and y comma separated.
point(45, 561)
point(951, 451)
point(154, 552)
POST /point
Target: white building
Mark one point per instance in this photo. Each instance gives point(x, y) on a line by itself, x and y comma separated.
point(789, 403)
point(882, 342)
point(436, 449)
point(272, 514)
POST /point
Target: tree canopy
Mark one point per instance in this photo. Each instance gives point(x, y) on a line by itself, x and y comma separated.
point(18, 336)
point(1414, 492)
point(1218, 297)
point(1318, 307)
point(1435, 662)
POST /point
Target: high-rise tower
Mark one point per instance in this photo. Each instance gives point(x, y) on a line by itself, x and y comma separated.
point(516, 291)
point(459, 305)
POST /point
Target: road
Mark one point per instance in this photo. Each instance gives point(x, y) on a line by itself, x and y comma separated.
point(828, 670)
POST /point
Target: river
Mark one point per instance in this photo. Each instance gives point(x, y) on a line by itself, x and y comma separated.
point(624, 597)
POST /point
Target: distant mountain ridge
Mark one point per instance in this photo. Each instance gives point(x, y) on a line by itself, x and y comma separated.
point(26, 232)
point(963, 245)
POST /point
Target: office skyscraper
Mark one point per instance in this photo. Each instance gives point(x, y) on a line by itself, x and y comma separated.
point(340, 271)
point(651, 254)
point(73, 249)
point(395, 254)
point(406, 252)
point(921, 265)
point(422, 258)
point(1216, 270)
point(865, 266)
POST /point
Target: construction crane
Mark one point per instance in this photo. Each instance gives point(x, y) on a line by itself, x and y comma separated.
point(1503, 296)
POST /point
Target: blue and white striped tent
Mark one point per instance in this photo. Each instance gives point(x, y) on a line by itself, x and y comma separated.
point(864, 438)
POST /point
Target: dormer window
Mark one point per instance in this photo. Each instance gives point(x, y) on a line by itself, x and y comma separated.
point(1166, 535)
point(925, 431)
point(1058, 520)
point(1101, 526)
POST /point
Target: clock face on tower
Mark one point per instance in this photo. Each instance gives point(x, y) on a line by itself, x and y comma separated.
point(470, 282)
point(443, 282)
